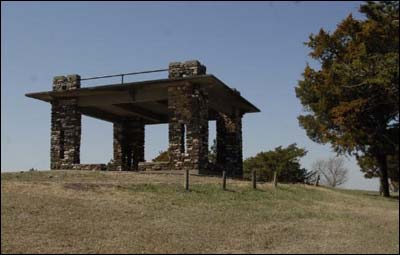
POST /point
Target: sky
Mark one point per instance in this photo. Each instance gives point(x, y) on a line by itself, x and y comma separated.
point(255, 47)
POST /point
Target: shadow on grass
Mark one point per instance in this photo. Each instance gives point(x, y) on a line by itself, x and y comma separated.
point(377, 195)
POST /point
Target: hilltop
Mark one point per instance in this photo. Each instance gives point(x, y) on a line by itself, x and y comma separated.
point(127, 212)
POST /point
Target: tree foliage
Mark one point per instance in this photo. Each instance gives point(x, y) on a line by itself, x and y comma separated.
point(212, 154)
point(162, 156)
point(283, 160)
point(352, 100)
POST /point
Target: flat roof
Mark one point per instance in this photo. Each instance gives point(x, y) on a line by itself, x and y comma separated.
point(148, 99)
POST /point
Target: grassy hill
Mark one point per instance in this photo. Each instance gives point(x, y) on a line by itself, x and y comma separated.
point(116, 212)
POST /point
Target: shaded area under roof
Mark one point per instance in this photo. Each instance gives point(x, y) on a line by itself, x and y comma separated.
point(147, 100)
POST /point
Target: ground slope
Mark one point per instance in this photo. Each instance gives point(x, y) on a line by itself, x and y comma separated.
point(105, 212)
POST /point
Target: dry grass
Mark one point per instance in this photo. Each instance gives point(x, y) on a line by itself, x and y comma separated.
point(104, 212)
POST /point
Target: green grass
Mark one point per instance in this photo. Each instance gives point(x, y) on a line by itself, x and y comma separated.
point(105, 212)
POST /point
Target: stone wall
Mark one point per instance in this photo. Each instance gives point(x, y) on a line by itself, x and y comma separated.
point(91, 167)
point(128, 146)
point(229, 144)
point(188, 119)
point(154, 166)
point(65, 126)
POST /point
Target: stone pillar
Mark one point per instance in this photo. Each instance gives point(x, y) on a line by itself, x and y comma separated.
point(65, 126)
point(188, 119)
point(128, 145)
point(136, 140)
point(184, 69)
point(229, 143)
point(119, 150)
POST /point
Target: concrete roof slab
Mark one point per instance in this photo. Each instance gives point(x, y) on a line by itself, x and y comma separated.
point(146, 99)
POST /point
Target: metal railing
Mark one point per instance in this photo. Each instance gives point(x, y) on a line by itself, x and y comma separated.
point(122, 75)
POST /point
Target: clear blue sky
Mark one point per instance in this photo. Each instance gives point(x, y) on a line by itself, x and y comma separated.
point(254, 47)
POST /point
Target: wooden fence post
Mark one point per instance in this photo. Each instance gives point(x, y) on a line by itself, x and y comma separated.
point(254, 179)
point(187, 179)
point(317, 181)
point(224, 180)
point(275, 178)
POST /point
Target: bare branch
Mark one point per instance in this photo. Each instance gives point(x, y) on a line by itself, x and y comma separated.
point(332, 170)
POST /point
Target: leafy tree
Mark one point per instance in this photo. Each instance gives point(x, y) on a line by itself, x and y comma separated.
point(282, 161)
point(162, 156)
point(212, 153)
point(352, 100)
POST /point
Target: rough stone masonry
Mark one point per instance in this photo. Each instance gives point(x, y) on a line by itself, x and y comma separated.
point(188, 108)
point(65, 126)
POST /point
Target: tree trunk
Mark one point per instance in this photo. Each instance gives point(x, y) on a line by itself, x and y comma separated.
point(382, 162)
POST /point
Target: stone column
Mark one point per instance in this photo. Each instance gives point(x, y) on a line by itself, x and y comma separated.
point(188, 119)
point(184, 69)
point(229, 143)
point(65, 126)
point(119, 148)
point(128, 145)
point(136, 140)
